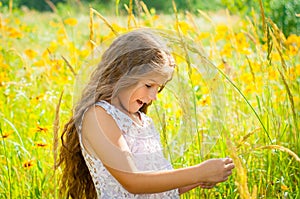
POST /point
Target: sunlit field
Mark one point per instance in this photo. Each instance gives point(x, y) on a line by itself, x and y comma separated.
point(235, 92)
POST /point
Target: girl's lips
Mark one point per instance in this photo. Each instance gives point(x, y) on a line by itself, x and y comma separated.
point(140, 102)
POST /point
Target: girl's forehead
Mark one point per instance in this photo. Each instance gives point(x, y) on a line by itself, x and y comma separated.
point(160, 80)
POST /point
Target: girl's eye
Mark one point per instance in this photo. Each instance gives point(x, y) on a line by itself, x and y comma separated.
point(148, 86)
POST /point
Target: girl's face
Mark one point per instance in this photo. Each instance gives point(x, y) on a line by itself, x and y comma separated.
point(132, 99)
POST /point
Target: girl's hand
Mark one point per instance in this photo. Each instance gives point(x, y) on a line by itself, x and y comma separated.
point(216, 170)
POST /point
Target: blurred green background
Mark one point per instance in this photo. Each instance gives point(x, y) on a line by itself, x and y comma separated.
point(282, 12)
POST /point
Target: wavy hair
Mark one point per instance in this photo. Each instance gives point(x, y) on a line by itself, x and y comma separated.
point(130, 58)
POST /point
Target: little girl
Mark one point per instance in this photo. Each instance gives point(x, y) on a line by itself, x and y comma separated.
point(110, 148)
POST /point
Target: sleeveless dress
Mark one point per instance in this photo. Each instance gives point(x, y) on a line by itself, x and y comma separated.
point(144, 145)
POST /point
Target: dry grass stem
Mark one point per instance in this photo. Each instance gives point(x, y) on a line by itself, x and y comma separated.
point(69, 66)
point(91, 26)
point(130, 15)
point(51, 5)
point(245, 137)
point(284, 149)
point(104, 20)
point(263, 17)
point(207, 18)
point(241, 179)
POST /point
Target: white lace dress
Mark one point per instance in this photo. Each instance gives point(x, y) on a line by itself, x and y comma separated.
point(144, 143)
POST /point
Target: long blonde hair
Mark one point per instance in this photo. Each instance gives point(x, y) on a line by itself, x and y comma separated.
point(129, 58)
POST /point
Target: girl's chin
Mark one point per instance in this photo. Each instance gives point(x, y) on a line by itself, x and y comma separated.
point(136, 108)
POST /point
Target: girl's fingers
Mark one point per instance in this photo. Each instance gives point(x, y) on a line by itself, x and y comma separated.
point(228, 160)
point(229, 166)
point(229, 172)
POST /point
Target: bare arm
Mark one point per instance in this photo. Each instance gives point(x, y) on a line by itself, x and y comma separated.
point(103, 138)
point(209, 172)
point(154, 182)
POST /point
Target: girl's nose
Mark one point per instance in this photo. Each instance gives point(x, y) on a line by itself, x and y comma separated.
point(153, 94)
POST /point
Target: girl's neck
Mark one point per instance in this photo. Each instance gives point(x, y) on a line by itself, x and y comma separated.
point(136, 117)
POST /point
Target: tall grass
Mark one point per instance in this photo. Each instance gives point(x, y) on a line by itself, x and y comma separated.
point(235, 93)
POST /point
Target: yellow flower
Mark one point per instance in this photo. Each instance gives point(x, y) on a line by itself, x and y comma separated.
point(195, 76)
point(118, 28)
point(284, 187)
point(184, 27)
point(3, 78)
point(155, 17)
point(71, 21)
point(54, 24)
point(280, 96)
point(83, 53)
point(30, 53)
point(179, 58)
point(292, 74)
point(203, 35)
point(296, 101)
point(17, 21)
point(5, 135)
point(255, 66)
point(297, 70)
point(250, 88)
point(246, 78)
point(259, 83)
point(205, 100)
point(14, 33)
point(265, 47)
point(293, 50)
point(28, 164)
point(41, 129)
point(221, 32)
point(242, 44)
point(167, 105)
point(62, 36)
point(275, 56)
point(178, 113)
point(204, 89)
point(39, 63)
point(61, 31)
point(293, 40)
point(227, 50)
point(272, 74)
point(53, 46)
point(41, 144)
point(240, 38)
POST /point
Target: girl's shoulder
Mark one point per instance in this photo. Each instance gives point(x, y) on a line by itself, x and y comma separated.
point(110, 110)
point(105, 105)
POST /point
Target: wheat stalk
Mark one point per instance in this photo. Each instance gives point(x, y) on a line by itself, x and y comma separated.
point(103, 19)
point(241, 179)
point(69, 66)
point(283, 149)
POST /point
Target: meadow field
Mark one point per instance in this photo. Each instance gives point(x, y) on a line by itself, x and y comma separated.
point(235, 92)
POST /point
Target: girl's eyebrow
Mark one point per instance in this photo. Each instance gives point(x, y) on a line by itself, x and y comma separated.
point(151, 80)
point(159, 83)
